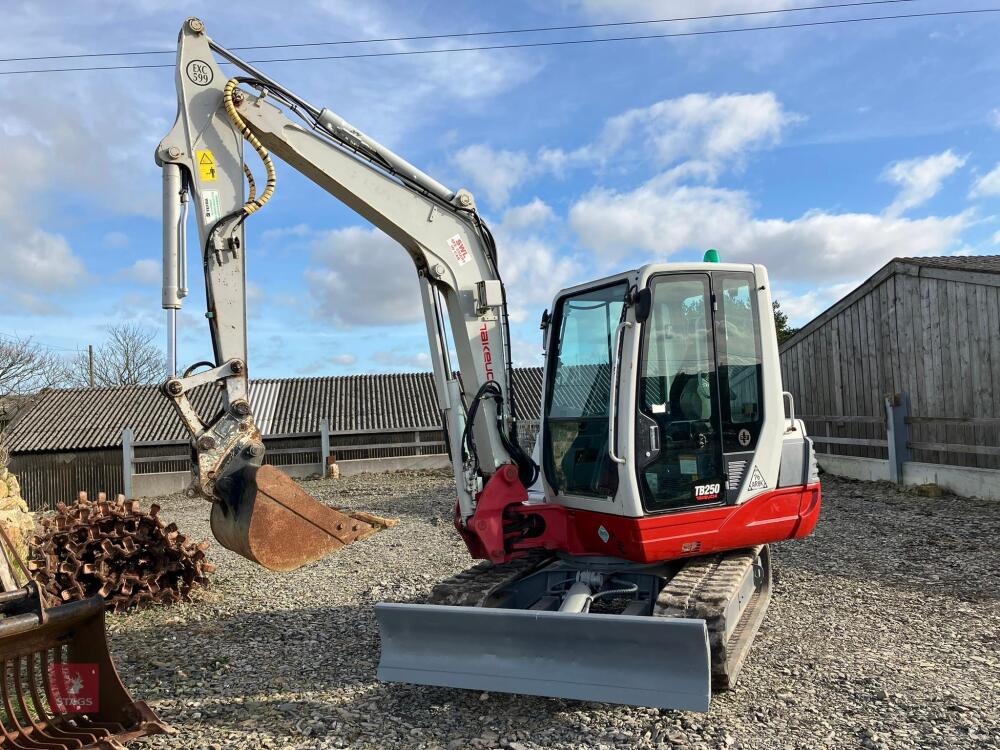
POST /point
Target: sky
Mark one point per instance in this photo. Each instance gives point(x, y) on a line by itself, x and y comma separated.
point(821, 152)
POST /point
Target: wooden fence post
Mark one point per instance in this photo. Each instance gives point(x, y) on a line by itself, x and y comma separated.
point(128, 457)
point(897, 433)
point(324, 446)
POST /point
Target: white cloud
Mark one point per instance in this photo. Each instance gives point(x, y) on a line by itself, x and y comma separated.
point(256, 297)
point(698, 135)
point(361, 277)
point(57, 144)
point(115, 239)
point(374, 91)
point(533, 271)
point(995, 118)
point(144, 271)
point(801, 308)
point(531, 262)
point(659, 219)
point(255, 293)
point(102, 155)
point(623, 10)
point(344, 360)
point(33, 259)
point(403, 360)
point(988, 184)
point(705, 133)
point(996, 238)
point(494, 173)
point(298, 231)
point(528, 216)
point(920, 179)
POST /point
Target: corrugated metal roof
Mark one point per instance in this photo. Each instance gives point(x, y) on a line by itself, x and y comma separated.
point(85, 418)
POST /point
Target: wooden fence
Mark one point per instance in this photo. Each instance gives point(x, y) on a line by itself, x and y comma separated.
point(898, 432)
point(299, 449)
point(47, 478)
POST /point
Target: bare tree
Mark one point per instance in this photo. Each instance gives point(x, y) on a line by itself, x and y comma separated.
point(128, 356)
point(26, 367)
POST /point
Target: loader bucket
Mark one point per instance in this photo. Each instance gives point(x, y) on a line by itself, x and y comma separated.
point(270, 519)
point(632, 660)
point(59, 688)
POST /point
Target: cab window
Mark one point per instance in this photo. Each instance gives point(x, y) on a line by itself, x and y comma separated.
point(739, 361)
point(579, 390)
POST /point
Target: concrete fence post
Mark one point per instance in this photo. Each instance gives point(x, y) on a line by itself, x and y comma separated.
point(324, 446)
point(897, 433)
point(128, 460)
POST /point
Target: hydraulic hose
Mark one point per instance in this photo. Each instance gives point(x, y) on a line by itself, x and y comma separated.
point(253, 202)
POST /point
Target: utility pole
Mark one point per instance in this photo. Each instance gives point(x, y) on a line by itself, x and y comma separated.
point(90, 363)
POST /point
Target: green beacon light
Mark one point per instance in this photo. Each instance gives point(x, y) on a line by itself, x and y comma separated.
point(712, 256)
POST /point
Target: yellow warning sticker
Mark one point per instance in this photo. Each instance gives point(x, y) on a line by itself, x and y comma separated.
point(206, 165)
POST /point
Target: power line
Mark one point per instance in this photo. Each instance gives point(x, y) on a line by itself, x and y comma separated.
point(501, 32)
point(13, 338)
point(561, 43)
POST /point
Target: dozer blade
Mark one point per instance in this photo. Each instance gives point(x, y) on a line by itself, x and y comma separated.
point(270, 519)
point(637, 661)
point(59, 687)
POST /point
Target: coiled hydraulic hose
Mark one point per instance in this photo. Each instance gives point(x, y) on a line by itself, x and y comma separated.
point(253, 203)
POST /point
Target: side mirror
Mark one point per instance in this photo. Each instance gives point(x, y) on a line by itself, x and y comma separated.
point(643, 305)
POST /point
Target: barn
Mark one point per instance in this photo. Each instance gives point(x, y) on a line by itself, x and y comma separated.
point(129, 440)
point(900, 379)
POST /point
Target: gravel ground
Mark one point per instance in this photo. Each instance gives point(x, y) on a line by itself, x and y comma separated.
point(884, 632)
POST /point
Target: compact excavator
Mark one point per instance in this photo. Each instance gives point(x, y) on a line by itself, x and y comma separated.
point(627, 559)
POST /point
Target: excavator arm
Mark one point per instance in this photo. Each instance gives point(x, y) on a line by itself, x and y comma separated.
point(450, 245)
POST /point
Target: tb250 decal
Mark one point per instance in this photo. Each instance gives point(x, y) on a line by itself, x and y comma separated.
point(703, 492)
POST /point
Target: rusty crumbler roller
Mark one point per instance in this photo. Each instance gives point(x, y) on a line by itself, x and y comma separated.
point(129, 556)
point(59, 688)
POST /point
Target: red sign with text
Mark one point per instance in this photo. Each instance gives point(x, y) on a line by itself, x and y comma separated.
point(74, 688)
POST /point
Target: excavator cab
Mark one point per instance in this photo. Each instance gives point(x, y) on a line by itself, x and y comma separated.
point(656, 395)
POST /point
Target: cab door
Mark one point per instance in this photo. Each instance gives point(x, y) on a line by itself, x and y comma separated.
point(678, 443)
point(581, 352)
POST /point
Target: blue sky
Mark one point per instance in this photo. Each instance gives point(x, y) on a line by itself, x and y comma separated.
point(820, 152)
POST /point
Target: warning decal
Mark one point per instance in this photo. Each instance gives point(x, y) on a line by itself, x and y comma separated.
point(461, 251)
point(757, 480)
point(206, 165)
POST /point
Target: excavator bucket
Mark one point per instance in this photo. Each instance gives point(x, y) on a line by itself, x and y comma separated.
point(632, 660)
point(59, 688)
point(270, 519)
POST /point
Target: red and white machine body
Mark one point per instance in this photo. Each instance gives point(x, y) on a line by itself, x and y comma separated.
point(698, 450)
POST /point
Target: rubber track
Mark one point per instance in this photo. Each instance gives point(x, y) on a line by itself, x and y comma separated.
point(702, 589)
point(472, 587)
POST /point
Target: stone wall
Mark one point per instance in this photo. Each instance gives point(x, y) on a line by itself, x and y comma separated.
point(16, 521)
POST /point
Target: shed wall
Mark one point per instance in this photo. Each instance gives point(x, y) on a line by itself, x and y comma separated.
point(930, 333)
